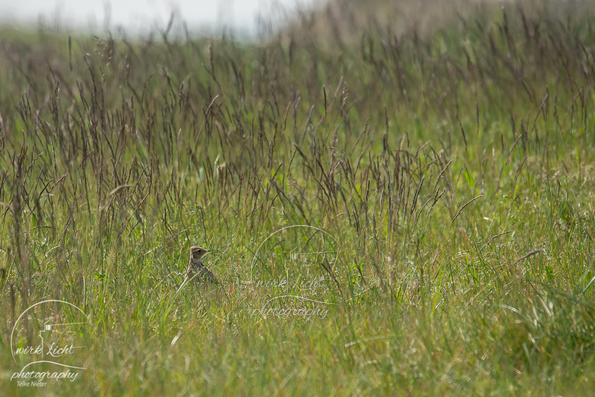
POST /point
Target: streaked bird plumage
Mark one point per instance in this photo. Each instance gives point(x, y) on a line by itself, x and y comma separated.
point(197, 271)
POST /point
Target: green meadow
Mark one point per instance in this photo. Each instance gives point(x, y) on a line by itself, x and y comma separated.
point(393, 206)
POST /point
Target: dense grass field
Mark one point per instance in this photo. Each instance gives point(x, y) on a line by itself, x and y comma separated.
point(390, 211)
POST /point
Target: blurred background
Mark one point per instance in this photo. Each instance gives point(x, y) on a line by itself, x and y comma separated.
point(138, 17)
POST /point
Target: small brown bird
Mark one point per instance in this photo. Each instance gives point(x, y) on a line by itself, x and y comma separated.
point(197, 271)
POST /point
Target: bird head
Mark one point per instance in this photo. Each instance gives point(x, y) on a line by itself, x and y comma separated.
point(197, 252)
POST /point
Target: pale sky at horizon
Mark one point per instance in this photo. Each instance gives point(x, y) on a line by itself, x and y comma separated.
point(139, 16)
